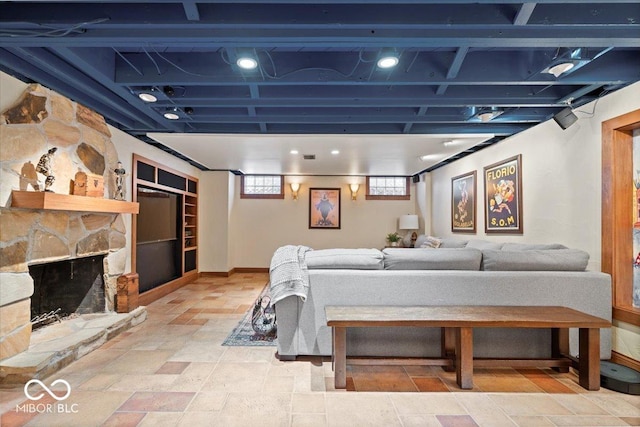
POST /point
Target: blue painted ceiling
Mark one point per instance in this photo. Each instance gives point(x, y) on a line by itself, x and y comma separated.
point(317, 70)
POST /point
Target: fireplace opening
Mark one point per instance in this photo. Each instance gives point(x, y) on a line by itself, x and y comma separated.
point(68, 287)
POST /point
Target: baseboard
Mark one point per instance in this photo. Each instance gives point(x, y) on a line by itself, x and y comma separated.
point(623, 360)
point(154, 294)
point(234, 271)
point(250, 270)
point(216, 273)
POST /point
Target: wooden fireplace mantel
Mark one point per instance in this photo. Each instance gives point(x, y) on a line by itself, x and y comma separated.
point(65, 202)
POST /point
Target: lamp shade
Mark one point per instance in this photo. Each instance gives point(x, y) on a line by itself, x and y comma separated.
point(409, 222)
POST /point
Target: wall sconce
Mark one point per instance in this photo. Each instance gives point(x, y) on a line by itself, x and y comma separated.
point(354, 190)
point(294, 190)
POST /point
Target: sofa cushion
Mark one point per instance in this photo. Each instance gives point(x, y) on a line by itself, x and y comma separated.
point(428, 259)
point(535, 260)
point(452, 242)
point(484, 244)
point(529, 247)
point(356, 259)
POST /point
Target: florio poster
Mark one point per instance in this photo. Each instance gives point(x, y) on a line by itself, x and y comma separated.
point(503, 196)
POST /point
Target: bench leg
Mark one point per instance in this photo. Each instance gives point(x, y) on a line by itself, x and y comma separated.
point(560, 345)
point(448, 347)
point(340, 357)
point(589, 360)
point(464, 357)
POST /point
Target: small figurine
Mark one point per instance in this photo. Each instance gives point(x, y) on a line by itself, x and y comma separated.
point(120, 173)
point(44, 167)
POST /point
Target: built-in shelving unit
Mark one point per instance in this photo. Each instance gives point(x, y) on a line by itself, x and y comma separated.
point(46, 200)
point(190, 222)
point(180, 248)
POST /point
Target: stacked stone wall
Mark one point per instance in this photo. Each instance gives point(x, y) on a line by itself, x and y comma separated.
point(42, 119)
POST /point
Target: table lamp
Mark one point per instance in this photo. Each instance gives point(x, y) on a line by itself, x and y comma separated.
point(409, 222)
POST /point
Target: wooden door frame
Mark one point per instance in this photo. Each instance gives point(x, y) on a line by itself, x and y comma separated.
point(617, 218)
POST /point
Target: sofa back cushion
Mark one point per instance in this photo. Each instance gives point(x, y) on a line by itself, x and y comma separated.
point(484, 244)
point(535, 260)
point(355, 259)
point(529, 247)
point(432, 259)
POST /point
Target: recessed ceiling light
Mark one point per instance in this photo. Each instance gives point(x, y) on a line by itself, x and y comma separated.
point(428, 157)
point(450, 143)
point(334, 152)
point(247, 63)
point(560, 68)
point(147, 97)
point(388, 61)
point(171, 115)
point(293, 152)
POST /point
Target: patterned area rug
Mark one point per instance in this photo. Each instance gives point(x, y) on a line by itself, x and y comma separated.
point(244, 335)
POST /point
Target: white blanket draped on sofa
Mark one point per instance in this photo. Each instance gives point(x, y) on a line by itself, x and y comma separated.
point(288, 273)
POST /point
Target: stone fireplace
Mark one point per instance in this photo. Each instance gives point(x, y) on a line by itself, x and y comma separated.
point(39, 120)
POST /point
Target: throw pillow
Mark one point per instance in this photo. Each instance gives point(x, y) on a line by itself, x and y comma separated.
point(431, 242)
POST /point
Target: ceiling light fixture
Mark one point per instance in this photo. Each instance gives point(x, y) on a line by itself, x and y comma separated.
point(560, 68)
point(566, 61)
point(293, 152)
point(247, 63)
point(172, 114)
point(486, 114)
point(335, 152)
point(388, 61)
point(148, 96)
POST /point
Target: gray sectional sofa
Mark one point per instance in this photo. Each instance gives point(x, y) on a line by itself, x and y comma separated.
point(456, 273)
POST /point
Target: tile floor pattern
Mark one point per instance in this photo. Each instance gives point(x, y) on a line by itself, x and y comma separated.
point(172, 371)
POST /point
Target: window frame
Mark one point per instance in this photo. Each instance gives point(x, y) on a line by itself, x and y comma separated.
point(244, 195)
point(369, 196)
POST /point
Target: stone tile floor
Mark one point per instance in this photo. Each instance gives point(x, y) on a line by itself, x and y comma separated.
point(172, 371)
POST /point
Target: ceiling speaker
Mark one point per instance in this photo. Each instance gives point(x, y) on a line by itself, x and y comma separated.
point(565, 118)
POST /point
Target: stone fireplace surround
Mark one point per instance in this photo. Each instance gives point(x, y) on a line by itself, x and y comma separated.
point(42, 119)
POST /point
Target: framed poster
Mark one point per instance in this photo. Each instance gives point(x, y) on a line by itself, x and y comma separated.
point(463, 203)
point(324, 208)
point(503, 196)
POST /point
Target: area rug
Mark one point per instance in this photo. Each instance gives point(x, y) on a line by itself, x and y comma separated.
point(244, 335)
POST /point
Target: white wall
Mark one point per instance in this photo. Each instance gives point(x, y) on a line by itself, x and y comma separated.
point(561, 176)
point(260, 226)
point(561, 187)
point(213, 218)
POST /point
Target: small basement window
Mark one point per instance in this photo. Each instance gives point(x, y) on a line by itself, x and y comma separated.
point(388, 188)
point(262, 187)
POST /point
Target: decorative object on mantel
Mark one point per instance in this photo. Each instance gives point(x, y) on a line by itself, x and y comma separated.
point(86, 184)
point(44, 167)
point(410, 223)
point(120, 174)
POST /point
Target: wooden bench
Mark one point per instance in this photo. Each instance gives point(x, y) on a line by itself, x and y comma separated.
point(458, 323)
